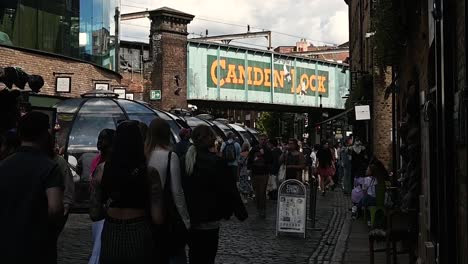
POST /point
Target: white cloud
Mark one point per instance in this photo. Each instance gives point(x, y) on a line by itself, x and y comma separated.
point(315, 20)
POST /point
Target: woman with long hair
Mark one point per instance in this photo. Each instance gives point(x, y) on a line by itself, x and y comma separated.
point(104, 145)
point(133, 194)
point(211, 196)
point(159, 154)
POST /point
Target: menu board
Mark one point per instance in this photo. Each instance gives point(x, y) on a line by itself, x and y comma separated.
point(291, 207)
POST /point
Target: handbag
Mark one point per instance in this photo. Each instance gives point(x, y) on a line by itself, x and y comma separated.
point(175, 232)
point(282, 173)
point(272, 185)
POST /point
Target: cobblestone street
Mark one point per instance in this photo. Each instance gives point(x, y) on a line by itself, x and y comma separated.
point(253, 241)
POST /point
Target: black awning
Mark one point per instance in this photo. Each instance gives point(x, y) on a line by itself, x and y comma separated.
point(335, 117)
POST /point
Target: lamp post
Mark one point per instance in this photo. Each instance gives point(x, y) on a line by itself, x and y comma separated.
point(321, 115)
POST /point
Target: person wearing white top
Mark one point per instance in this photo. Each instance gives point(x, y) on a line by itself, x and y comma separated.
point(157, 153)
point(158, 160)
point(313, 156)
point(369, 198)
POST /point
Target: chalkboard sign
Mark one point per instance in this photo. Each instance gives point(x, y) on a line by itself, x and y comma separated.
point(291, 217)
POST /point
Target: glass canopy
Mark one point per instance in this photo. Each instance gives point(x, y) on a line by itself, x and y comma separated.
point(81, 120)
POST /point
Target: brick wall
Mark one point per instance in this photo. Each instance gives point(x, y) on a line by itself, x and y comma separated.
point(171, 61)
point(285, 49)
point(82, 79)
point(175, 63)
point(339, 56)
point(135, 84)
point(382, 117)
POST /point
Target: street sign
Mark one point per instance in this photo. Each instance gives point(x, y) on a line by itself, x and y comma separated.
point(291, 215)
point(155, 95)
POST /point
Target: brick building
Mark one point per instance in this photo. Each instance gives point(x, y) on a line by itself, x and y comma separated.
point(46, 39)
point(427, 58)
point(370, 81)
point(83, 75)
point(135, 67)
point(338, 54)
point(86, 61)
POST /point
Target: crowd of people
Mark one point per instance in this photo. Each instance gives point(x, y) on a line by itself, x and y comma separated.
point(151, 200)
point(147, 201)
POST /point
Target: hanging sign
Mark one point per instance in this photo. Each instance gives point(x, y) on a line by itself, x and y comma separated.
point(362, 112)
point(291, 215)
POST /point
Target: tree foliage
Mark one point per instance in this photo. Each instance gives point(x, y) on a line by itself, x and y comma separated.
point(268, 123)
point(362, 91)
point(388, 25)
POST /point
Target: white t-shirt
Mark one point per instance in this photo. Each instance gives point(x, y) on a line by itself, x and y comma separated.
point(313, 156)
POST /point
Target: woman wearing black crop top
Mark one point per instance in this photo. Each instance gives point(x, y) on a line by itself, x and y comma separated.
point(134, 196)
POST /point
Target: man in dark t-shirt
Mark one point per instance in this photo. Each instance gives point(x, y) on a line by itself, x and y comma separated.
point(31, 191)
point(259, 162)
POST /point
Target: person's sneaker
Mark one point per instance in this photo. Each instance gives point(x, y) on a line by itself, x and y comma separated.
point(369, 223)
point(354, 210)
point(323, 193)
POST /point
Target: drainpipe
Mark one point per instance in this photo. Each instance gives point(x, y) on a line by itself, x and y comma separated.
point(117, 39)
point(394, 124)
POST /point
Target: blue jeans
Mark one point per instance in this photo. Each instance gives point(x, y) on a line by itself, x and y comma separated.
point(96, 230)
point(366, 201)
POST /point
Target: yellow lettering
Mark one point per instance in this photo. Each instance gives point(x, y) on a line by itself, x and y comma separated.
point(231, 76)
point(258, 76)
point(321, 87)
point(241, 74)
point(293, 78)
point(312, 83)
point(249, 72)
point(267, 77)
point(279, 79)
point(214, 68)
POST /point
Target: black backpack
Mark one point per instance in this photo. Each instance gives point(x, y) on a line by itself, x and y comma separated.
point(229, 153)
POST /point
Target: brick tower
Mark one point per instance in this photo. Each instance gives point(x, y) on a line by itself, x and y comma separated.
point(168, 50)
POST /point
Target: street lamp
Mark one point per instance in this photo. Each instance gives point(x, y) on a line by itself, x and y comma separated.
point(321, 115)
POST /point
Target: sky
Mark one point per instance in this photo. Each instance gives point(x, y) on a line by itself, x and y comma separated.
point(321, 22)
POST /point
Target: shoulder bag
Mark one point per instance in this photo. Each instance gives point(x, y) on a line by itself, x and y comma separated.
point(176, 233)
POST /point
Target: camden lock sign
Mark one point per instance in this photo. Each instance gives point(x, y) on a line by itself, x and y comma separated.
point(292, 198)
point(232, 73)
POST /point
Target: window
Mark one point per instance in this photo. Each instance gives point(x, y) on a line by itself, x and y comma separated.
point(75, 28)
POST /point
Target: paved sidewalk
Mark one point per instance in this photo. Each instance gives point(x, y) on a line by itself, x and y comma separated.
point(253, 241)
point(357, 248)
